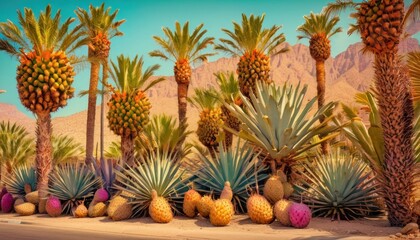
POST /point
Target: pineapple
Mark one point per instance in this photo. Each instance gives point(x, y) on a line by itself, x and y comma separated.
point(114, 204)
point(211, 117)
point(100, 45)
point(252, 43)
point(97, 209)
point(281, 211)
point(319, 46)
point(259, 209)
point(252, 67)
point(32, 197)
point(159, 209)
point(379, 24)
point(221, 212)
point(182, 71)
point(191, 199)
point(81, 211)
point(25, 208)
point(129, 107)
point(227, 192)
point(273, 189)
point(204, 206)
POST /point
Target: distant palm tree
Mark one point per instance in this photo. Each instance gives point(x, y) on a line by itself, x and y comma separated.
point(99, 26)
point(254, 45)
point(16, 146)
point(129, 107)
point(45, 73)
point(318, 28)
point(66, 149)
point(183, 48)
point(381, 26)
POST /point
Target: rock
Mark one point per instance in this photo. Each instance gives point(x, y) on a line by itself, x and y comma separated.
point(398, 234)
point(410, 228)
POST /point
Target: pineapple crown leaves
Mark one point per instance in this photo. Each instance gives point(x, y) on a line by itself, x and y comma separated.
point(129, 77)
point(339, 186)
point(239, 166)
point(20, 176)
point(157, 172)
point(250, 36)
point(45, 34)
point(229, 86)
point(276, 120)
point(73, 182)
point(205, 98)
point(181, 45)
point(320, 23)
point(16, 145)
point(99, 21)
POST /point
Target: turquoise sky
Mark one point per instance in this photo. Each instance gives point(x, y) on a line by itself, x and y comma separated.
point(145, 19)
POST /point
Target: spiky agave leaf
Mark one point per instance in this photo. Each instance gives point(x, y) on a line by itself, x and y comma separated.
point(277, 120)
point(239, 166)
point(157, 172)
point(106, 172)
point(71, 183)
point(15, 182)
point(339, 186)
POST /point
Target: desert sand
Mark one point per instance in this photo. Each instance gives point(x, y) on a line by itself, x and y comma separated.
point(241, 227)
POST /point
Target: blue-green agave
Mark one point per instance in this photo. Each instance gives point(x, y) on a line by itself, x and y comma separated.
point(339, 185)
point(72, 183)
point(160, 172)
point(15, 182)
point(240, 166)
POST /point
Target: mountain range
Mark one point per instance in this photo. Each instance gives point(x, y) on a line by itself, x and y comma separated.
point(346, 74)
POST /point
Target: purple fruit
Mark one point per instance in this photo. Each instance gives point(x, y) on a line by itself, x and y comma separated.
point(101, 195)
point(7, 203)
point(299, 215)
point(53, 206)
point(2, 193)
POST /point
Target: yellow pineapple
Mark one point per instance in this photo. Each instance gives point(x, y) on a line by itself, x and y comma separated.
point(259, 209)
point(221, 212)
point(97, 209)
point(159, 209)
point(32, 197)
point(81, 211)
point(273, 189)
point(114, 204)
point(281, 211)
point(204, 206)
point(191, 198)
point(25, 208)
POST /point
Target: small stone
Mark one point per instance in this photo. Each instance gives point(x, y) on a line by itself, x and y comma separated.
point(398, 234)
point(410, 228)
point(391, 236)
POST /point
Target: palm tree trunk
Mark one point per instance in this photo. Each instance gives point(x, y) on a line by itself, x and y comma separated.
point(320, 79)
point(90, 123)
point(104, 78)
point(182, 101)
point(43, 152)
point(396, 114)
point(127, 149)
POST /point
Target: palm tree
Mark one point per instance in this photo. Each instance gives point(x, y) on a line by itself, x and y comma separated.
point(318, 28)
point(65, 149)
point(99, 26)
point(183, 48)
point(129, 107)
point(252, 43)
point(45, 74)
point(381, 24)
point(16, 147)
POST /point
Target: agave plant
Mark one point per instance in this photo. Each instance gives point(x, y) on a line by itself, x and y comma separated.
point(16, 147)
point(20, 176)
point(71, 183)
point(65, 149)
point(339, 186)
point(240, 166)
point(106, 172)
point(157, 172)
point(276, 120)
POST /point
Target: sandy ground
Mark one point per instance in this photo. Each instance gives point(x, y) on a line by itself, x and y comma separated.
point(241, 227)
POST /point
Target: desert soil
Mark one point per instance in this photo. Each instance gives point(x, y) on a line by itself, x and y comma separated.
point(241, 227)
